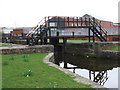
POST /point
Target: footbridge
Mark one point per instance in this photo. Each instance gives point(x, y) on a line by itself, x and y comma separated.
point(53, 28)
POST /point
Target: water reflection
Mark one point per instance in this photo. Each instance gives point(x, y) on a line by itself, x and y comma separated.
point(97, 68)
point(100, 78)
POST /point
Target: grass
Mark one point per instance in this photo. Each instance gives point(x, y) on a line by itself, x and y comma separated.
point(76, 41)
point(18, 73)
point(114, 48)
point(4, 44)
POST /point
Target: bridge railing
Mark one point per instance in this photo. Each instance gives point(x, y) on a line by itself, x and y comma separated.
point(58, 23)
point(70, 22)
point(39, 25)
point(100, 31)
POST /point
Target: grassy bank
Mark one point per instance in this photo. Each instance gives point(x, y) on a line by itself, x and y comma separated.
point(77, 41)
point(4, 44)
point(29, 71)
point(114, 48)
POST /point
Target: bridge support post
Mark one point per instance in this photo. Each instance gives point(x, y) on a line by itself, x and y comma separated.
point(36, 41)
point(73, 33)
point(49, 32)
point(65, 64)
point(64, 46)
point(64, 41)
point(28, 41)
point(57, 33)
point(89, 34)
point(93, 34)
point(41, 41)
point(54, 41)
point(45, 40)
point(90, 74)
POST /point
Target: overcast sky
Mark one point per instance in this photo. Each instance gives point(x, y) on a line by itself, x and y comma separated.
point(30, 12)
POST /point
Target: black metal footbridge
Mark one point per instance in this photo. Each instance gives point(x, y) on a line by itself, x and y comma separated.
point(52, 28)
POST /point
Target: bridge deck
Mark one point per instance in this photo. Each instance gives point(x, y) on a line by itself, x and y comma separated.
point(86, 26)
point(60, 37)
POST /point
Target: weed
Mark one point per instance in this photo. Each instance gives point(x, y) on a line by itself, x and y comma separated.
point(50, 85)
point(27, 73)
point(24, 56)
point(5, 63)
point(26, 60)
point(11, 58)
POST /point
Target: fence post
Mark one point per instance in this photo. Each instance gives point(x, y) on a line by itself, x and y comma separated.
point(57, 33)
point(73, 33)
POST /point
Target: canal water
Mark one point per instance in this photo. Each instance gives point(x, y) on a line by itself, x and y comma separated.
point(101, 71)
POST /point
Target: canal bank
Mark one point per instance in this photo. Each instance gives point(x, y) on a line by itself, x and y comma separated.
point(25, 49)
point(49, 59)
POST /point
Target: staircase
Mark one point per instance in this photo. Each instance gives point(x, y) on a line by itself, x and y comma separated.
point(38, 32)
point(98, 30)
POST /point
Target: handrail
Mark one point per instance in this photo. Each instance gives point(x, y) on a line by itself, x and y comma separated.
point(99, 25)
point(102, 31)
point(42, 22)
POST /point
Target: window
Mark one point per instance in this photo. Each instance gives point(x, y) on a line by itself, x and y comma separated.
point(53, 24)
point(53, 29)
point(116, 39)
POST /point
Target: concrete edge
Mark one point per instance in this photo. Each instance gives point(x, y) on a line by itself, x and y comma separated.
point(75, 77)
point(25, 49)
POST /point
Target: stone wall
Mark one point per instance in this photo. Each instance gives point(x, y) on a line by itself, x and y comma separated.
point(92, 49)
point(110, 54)
point(105, 45)
point(27, 49)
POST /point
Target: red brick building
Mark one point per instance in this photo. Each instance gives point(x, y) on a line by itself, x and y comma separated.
point(113, 31)
point(17, 32)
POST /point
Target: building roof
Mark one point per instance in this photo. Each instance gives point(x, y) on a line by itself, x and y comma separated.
point(17, 31)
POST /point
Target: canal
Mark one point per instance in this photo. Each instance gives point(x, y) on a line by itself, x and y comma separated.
point(102, 71)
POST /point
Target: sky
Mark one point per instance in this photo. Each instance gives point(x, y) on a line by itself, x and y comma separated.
point(25, 13)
